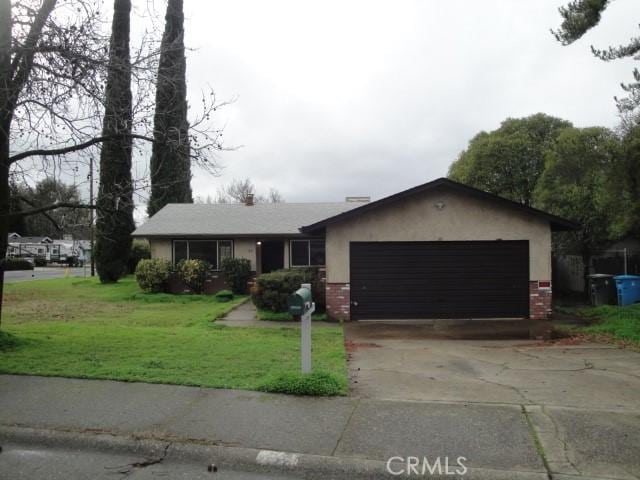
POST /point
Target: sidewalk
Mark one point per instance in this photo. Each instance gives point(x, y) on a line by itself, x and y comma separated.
point(355, 435)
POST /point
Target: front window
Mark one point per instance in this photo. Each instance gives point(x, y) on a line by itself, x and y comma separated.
point(305, 253)
point(211, 251)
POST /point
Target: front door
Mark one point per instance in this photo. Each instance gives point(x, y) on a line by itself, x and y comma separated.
point(272, 255)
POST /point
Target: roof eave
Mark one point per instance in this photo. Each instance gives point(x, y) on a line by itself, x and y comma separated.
point(556, 223)
point(216, 235)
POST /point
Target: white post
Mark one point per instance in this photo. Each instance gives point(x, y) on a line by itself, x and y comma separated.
point(305, 334)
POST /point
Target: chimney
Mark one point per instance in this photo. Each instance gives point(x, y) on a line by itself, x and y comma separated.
point(249, 200)
point(358, 199)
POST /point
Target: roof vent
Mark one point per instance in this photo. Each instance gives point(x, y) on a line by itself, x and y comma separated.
point(358, 199)
point(248, 201)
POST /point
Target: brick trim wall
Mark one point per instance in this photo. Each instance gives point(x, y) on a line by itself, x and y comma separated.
point(539, 300)
point(338, 301)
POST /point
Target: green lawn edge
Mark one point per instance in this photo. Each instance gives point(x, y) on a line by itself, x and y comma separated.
point(608, 323)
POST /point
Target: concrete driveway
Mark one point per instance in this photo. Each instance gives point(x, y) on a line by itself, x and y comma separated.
point(582, 401)
point(402, 367)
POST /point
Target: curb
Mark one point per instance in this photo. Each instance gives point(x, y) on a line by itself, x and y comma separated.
point(235, 458)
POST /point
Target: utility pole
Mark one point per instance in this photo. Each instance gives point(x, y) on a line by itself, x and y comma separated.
point(91, 229)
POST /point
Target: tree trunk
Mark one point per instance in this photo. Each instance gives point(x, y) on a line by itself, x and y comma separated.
point(6, 113)
point(4, 208)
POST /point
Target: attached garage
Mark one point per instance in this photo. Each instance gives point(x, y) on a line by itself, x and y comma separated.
point(416, 280)
point(439, 250)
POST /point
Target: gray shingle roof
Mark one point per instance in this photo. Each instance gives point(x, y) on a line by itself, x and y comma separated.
point(185, 219)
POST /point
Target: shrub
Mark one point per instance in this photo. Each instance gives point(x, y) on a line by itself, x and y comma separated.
point(11, 264)
point(316, 383)
point(40, 262)
point(193, 273)
point(317, 288)
point(224, 295)
point(152, 274)
point(272, 289)
point(237, 272)
point(140, 250)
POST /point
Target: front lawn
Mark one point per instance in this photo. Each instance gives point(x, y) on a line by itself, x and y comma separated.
point(78, 328)
point(613, 322)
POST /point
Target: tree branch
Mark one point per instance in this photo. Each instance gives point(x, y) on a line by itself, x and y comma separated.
point(31, 204)
point(53, 206)
point(71, 148)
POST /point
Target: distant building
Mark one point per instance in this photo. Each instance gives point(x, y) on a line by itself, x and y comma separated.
point(49, 250)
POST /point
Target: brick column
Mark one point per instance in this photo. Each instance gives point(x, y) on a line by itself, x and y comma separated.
point(539, 299)
point(338, 301)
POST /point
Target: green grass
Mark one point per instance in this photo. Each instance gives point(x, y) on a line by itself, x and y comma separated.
point(316, 383)
point(269, 316)
point(80, 328)
point(616, 323)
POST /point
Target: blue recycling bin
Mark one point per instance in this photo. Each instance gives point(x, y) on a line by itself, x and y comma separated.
point(628, 287)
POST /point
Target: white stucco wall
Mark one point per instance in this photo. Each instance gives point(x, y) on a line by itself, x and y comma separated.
point(245, 248)
point(418, 219)
point(160, 248)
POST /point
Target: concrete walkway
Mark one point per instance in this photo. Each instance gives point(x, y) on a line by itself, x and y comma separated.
point(497, 440)
point(245, 316)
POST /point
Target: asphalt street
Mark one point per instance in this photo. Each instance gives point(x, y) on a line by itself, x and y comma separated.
point(43, 273)
point(26, 462)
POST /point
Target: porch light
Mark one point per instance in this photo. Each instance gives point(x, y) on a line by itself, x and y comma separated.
point(258, 243)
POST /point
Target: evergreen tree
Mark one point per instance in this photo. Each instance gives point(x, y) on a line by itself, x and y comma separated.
point(170, 157)
point(508, 161)
point(115, 194)
point(580, 16)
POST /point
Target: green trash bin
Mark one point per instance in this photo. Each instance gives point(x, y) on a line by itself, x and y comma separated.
point(602, 289)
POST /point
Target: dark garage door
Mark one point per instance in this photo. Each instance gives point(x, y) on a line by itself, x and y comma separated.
point(407, 280)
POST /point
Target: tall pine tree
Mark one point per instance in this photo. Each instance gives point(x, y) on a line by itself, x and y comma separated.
point(115, 194)
point(170, 160)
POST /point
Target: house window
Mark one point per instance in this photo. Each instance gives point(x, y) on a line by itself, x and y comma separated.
point(211, 251)
point(225, 249)
point(305, 253)
point(206, 250)
point(180, 251)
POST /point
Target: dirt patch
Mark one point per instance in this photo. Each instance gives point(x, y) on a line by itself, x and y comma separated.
point(352, 346)
point(577, 339)
point(43, 310)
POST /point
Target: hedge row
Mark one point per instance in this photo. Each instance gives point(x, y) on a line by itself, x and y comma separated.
point(153, 275)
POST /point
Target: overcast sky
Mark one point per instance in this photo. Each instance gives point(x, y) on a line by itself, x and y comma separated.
point(339, 98)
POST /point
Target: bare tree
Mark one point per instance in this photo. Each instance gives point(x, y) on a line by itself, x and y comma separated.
point(53, 69)
point(275, 196)
point(239, 190)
